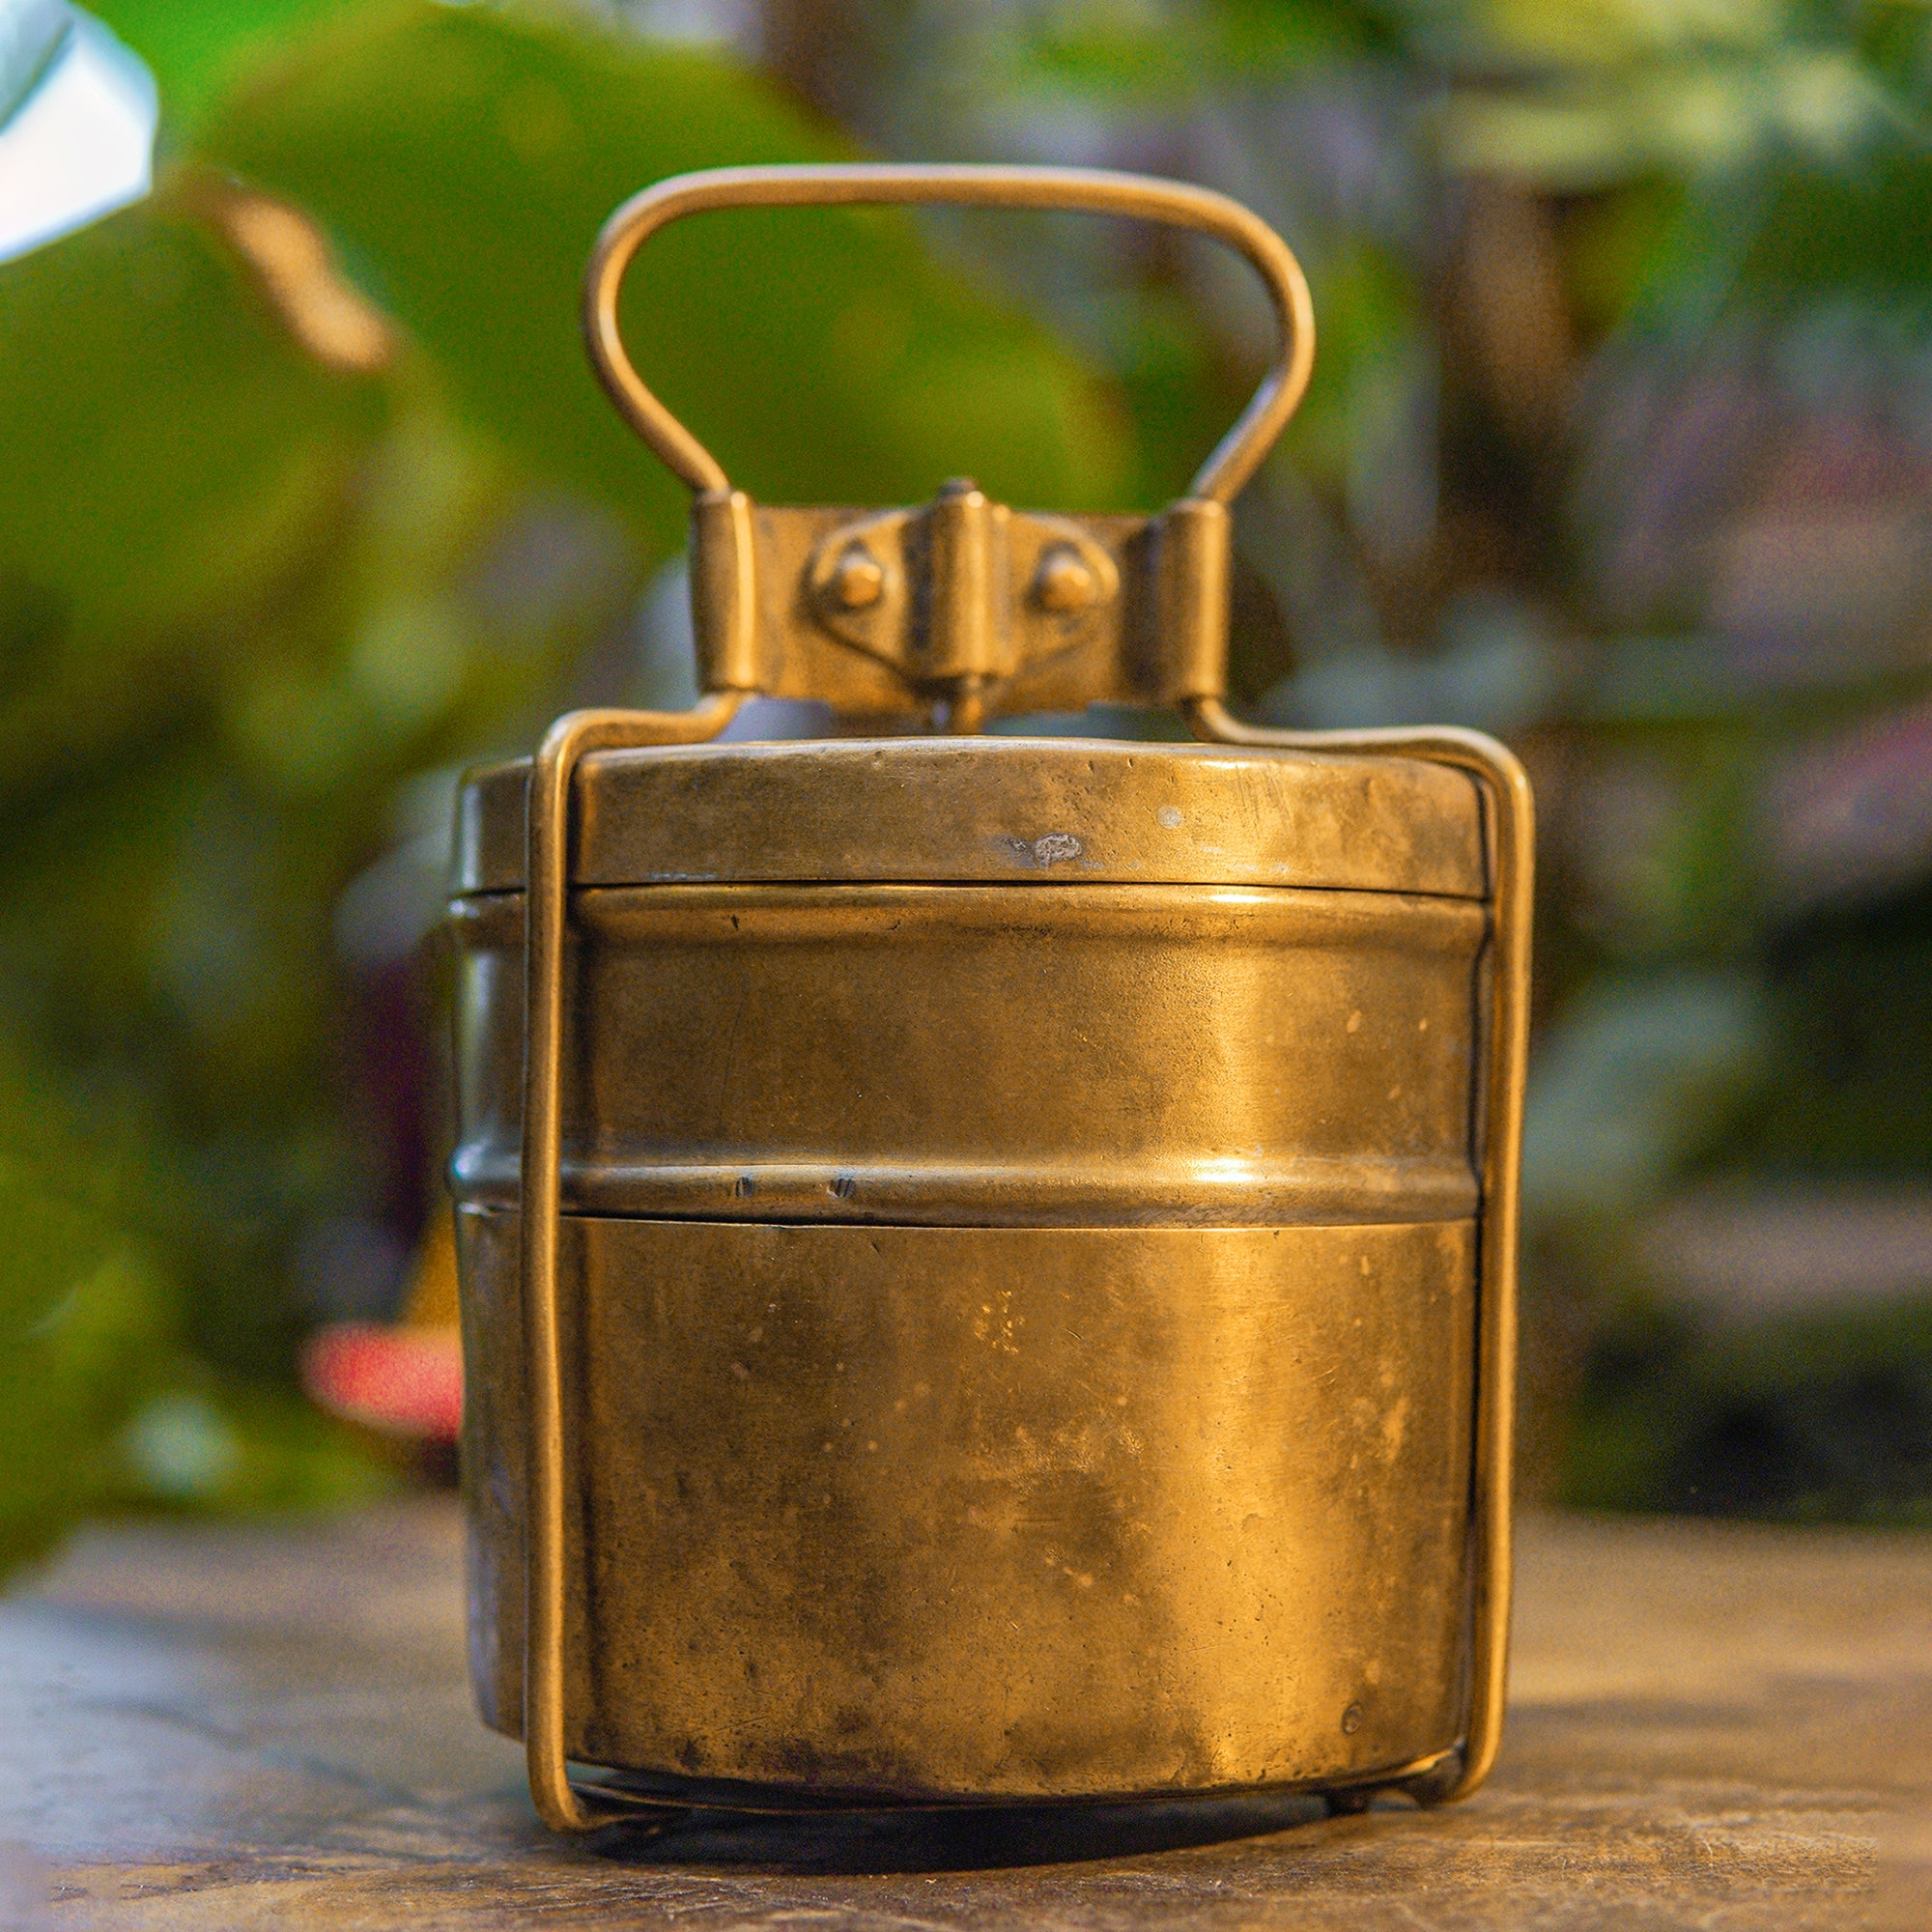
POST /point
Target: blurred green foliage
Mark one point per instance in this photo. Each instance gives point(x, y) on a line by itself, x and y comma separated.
point(279, 537)
point(84, 1314)
point(1620, 444)
point(1821, 1417)
point(198, 49)
point(468, 157)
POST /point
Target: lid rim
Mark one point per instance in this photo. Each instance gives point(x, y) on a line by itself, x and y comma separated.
point(990, 810)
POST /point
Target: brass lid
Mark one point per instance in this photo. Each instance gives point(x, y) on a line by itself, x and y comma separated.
point(975, 810)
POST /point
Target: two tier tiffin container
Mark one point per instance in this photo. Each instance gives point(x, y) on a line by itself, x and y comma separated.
point(986, 1261)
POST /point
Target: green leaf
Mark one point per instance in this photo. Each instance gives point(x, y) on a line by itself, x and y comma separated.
point(1171, 53)
point(467, 158)
point(166, 434)
point(196, 48)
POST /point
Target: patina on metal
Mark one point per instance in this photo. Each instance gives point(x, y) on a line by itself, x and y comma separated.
point(988, 1263)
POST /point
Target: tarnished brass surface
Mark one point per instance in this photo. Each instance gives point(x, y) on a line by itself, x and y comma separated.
point(992, 810)
point(936, 1513)
point(1111, 1055)
point(875, 614)
point(1500, 1070)
point(1192, 1076)
point(1199, 1146)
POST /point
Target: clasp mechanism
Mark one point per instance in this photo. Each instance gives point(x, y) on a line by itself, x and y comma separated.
point(962, 593)
point(962, 608)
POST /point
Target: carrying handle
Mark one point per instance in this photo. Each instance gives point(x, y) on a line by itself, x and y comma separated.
point(1233, 461)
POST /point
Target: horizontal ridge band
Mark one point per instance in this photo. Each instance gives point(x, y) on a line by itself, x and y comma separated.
point(1199, 1193)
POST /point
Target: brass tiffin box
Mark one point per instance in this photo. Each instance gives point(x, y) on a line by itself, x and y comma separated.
point(987, 1262)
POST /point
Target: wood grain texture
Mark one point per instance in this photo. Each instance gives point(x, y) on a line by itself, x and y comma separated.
point(1711, 1727)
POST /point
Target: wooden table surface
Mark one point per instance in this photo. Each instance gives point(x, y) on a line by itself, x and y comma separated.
point(1712, 1726)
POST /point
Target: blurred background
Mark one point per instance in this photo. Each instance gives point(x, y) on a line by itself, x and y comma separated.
point(1620, 446)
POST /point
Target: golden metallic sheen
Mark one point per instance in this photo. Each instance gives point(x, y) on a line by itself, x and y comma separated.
point(988, 1263)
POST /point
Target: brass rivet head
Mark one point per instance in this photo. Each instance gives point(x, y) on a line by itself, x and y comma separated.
point(858, 577)
point(1064, 581)
point(1352, 1720)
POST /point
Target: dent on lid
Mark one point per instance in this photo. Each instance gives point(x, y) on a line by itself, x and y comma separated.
point(981, 811)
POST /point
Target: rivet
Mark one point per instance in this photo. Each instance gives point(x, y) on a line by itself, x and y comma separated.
point(1352, 1720)
point(858, 579)
point(1063, 582)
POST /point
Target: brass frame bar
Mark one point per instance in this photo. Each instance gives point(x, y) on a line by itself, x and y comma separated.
point(1507, 788)
point(1089, 190)
point(547, 914)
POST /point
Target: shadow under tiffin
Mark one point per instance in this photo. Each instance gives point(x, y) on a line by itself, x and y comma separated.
point(854, 1843)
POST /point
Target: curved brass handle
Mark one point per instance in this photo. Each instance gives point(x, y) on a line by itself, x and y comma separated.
point(1090, 190)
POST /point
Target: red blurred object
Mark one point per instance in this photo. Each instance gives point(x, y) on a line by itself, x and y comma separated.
point(403, 1381)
